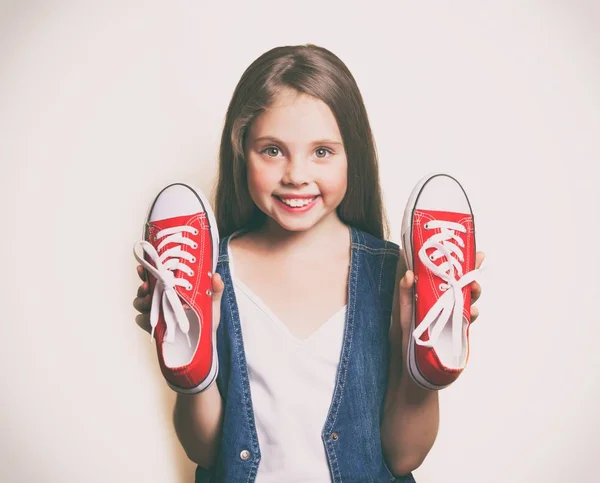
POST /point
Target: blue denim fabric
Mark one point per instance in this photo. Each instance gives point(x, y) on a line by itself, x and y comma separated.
point(356, 410)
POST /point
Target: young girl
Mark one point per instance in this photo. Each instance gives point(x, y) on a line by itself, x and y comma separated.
point(311, 384)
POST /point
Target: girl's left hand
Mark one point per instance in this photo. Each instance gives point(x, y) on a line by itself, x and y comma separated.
point(406, 300)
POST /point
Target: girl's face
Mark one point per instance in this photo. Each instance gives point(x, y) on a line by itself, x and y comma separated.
point(296, 163)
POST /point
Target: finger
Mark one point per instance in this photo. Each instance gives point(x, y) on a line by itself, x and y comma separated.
point(218, 288)
point(475, 292)
point(141, 273)
point(142, 304)
point(474, 314)
point(479, 258)
point(143, 289)
point(217, 285)
point(406, 285)
point(143, 321)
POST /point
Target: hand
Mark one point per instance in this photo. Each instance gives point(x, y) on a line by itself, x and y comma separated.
point(143, 301)
point(406, 300)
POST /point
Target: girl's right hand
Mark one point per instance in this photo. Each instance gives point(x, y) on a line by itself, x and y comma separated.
point(143, 301)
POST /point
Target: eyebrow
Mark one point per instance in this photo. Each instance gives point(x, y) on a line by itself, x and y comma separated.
point(278, 141)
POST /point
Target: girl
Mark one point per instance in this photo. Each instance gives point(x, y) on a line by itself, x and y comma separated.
point(311, 384)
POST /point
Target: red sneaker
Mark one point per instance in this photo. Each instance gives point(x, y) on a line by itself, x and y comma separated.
point(180, 247)
point(438, 235)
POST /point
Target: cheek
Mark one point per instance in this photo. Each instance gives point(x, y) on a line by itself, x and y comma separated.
point(335, 182)
point(260, 179)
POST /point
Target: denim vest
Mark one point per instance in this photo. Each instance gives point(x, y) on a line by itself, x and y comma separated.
point(351, 432)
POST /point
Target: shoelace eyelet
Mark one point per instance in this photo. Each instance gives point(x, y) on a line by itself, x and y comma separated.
point(443, 287)
point(193, 260)
point(209, 274)
point(192, 273)
point(194, 245)
point(195, 232)
point(209, 293)
point(426, 226)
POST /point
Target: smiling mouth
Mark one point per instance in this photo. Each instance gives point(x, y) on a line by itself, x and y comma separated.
point(297, 202)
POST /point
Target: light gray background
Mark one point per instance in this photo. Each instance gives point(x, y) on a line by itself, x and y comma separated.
point(103, 103)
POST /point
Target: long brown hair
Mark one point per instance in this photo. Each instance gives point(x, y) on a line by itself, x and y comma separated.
point(315, 71)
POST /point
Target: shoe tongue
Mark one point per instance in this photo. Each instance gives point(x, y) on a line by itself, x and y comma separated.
point(157, 225)
point(172, 222)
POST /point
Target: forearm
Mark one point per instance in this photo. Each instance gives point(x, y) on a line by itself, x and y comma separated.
point(410, 420)
point(197, 419)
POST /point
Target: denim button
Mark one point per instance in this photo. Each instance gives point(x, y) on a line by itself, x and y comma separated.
point(334, 436)
point(245, 455)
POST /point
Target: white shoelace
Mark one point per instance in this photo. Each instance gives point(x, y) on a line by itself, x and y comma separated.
point(451, 304)
point(165, 295)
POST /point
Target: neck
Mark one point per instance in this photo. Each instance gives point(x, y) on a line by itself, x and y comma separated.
point(329, 232)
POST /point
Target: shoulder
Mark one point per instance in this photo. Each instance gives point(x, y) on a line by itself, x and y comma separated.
point(232, 239)
point(379, 262)
point(381, 256)
point(373, 245)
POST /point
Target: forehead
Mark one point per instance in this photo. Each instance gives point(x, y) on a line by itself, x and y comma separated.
point(296, 118)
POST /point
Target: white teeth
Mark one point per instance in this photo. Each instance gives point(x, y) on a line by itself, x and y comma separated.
point(297, 203)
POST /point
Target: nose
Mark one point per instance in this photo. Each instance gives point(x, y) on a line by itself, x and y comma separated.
point(296, 171)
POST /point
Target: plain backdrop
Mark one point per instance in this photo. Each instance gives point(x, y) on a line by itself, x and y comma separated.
point(103, 103)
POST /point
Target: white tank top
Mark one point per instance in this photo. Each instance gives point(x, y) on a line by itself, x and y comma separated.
point(291, 383)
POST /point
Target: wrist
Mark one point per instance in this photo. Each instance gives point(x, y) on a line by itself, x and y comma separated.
point(408, 385)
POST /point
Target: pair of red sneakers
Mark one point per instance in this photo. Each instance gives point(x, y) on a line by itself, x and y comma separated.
point(180, 248)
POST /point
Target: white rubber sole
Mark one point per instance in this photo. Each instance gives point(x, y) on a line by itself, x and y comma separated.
point(214, 233)
point(407, 223)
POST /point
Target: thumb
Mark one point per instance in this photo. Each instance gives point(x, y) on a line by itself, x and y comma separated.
point(406, 286)
point(405, 301)
point(217, 293)
point(217, 286)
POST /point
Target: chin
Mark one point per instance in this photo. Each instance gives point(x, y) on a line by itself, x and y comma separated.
point(295, 226)
point(300, 225)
